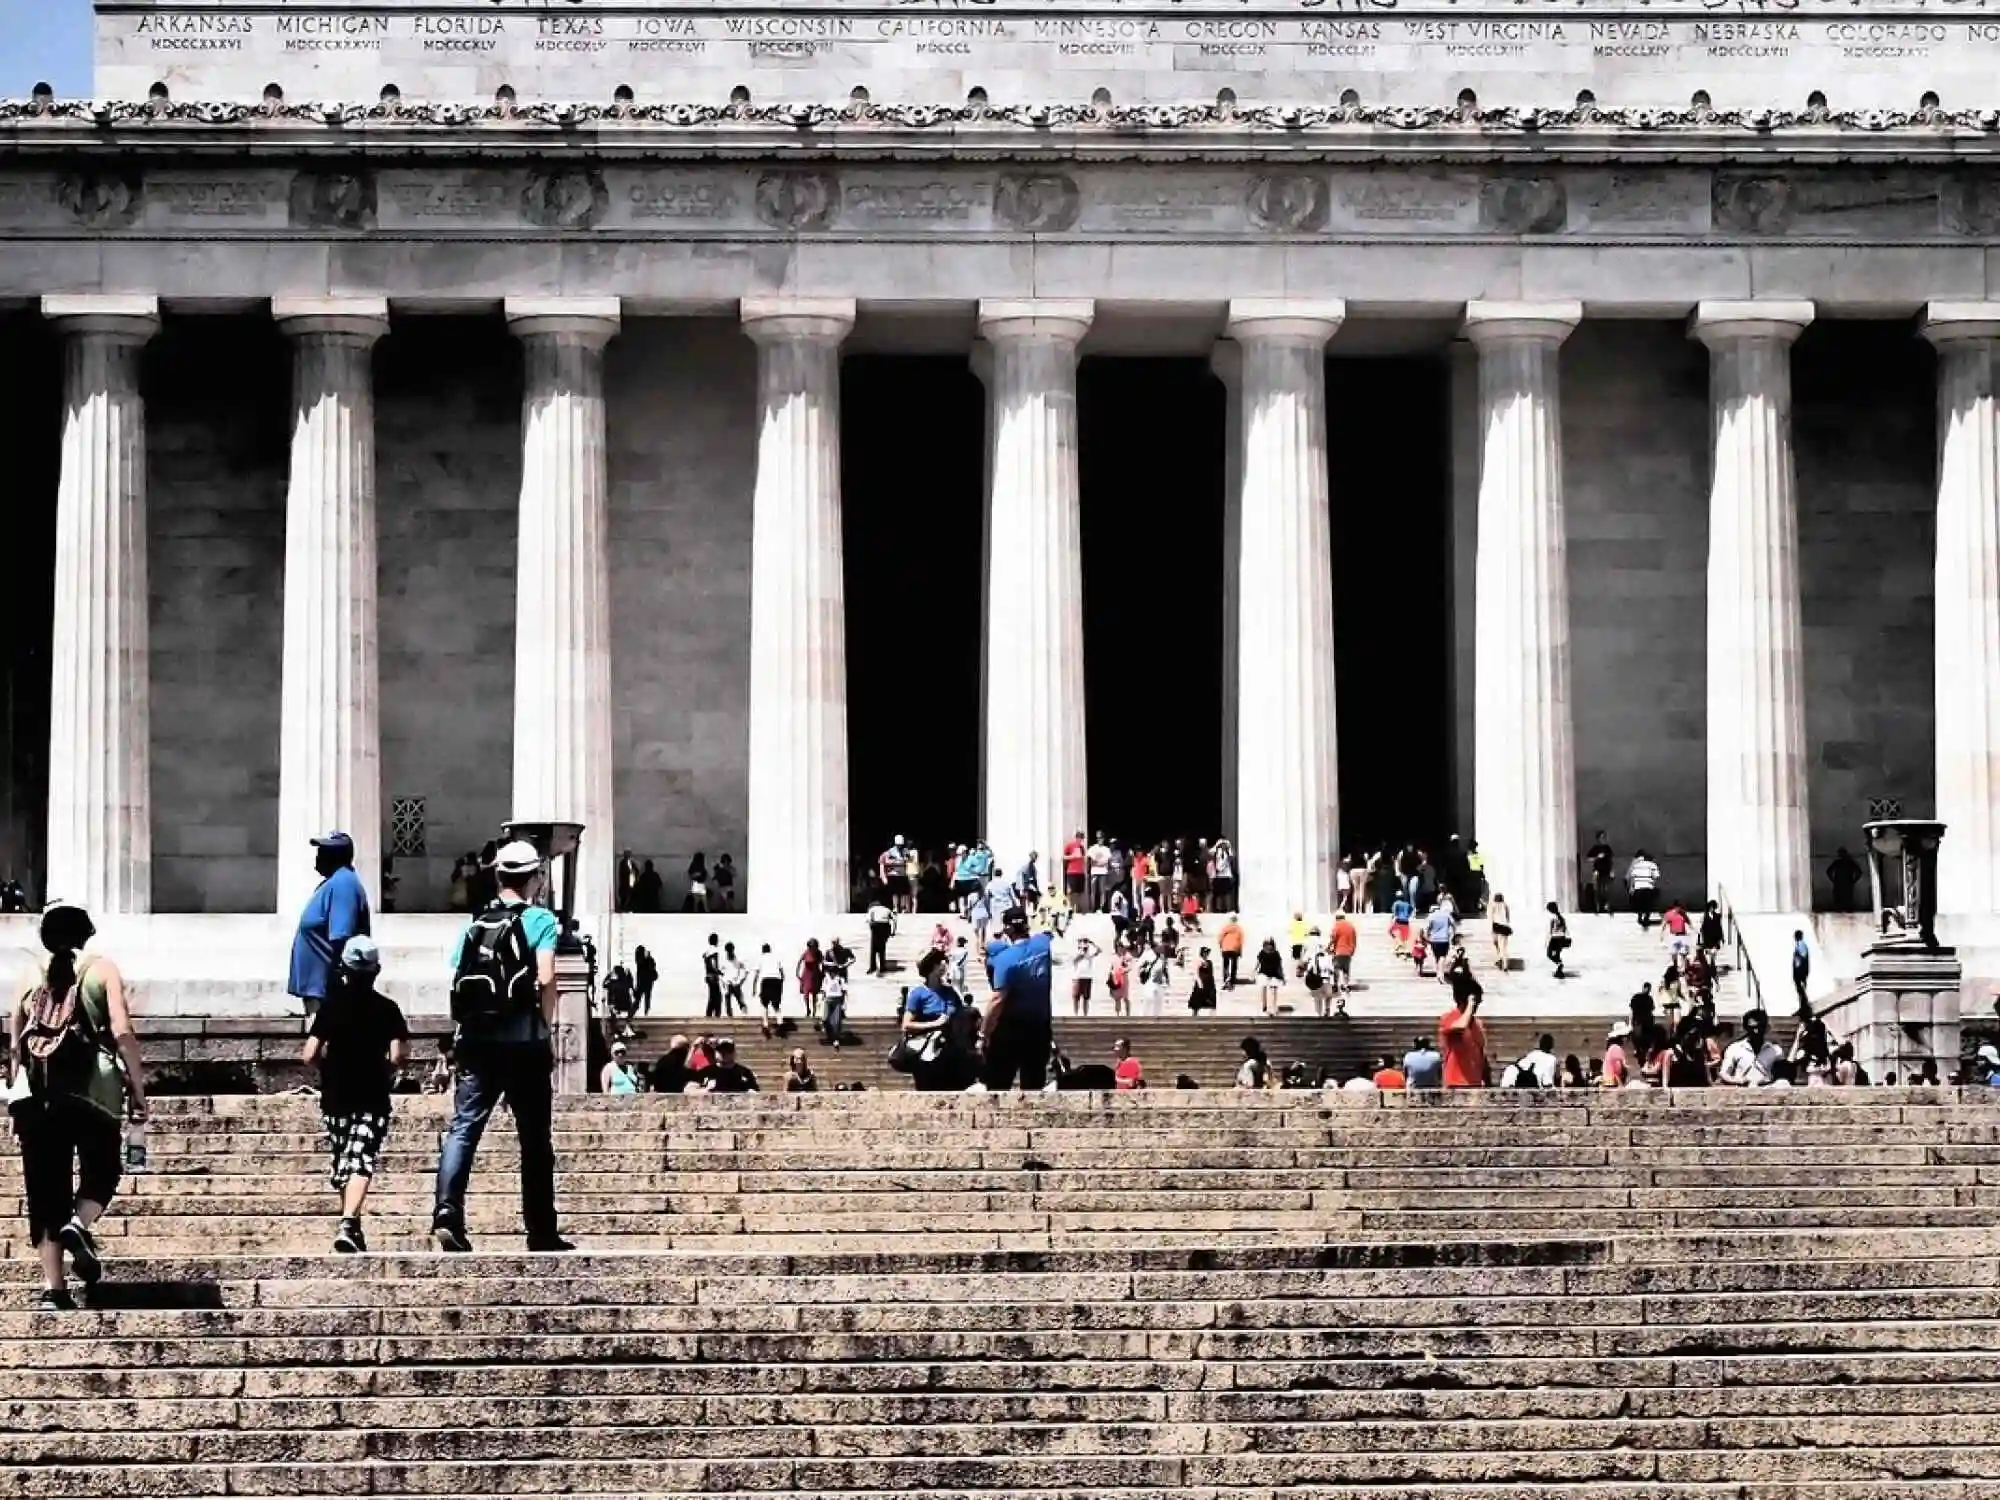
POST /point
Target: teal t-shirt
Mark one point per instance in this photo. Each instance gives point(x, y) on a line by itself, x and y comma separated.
point(540, 927)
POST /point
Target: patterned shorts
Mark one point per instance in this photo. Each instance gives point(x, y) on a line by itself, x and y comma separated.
point(355, 1141)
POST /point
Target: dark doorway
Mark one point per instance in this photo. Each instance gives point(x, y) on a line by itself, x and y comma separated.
point(31, 401)
point(1151, 449)
point(1388, 434)
point(912, 472)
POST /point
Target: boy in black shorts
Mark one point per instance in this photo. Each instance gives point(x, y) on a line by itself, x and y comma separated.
point(360, 1040)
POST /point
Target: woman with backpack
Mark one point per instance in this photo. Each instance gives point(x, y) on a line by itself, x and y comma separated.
point(77, 1077)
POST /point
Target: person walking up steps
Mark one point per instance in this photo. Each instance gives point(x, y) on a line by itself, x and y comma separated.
point(359, 1039)
point(503, 997)
point(71, 1091)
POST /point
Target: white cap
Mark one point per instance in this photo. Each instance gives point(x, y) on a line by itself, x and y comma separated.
point(1619, 1031)
point(517, 858)
point(1991, 1054)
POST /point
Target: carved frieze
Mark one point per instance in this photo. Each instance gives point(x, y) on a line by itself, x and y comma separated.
point(1523, 205)
point(1858, 204)
point(1037, 202)
point(798, 201)
point(1286, 202)
point(567, 199)
point(1584, 119)
point(108, 199)
point(333, 201)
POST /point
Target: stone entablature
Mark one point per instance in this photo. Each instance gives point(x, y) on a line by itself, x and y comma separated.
point(443, 195)
point(1885, 54)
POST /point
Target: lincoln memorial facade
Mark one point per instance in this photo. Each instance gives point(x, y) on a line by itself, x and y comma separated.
point(770, 428)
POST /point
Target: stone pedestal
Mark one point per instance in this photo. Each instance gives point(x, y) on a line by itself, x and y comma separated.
point(570, 1037)
point(1757, 829)
point(799, 844)
point(1906, 1011)
point(1287, 770)
point(562, 620)
point(1034, 768)
point(330, 743)
point(100, 851)
point(1524, 757)
point(1967, 595)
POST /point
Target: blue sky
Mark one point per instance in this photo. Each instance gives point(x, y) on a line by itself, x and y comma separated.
point(44, 40)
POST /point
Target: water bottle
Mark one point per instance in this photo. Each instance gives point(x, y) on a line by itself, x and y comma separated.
point(135, 1146)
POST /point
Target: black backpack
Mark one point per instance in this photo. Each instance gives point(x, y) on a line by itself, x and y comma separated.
point(496, 969)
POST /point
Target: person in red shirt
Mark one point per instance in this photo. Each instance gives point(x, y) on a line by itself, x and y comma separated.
point(1128, 1073)
point(1462, 1040)
point(1389, 1076)
point(1073, 866)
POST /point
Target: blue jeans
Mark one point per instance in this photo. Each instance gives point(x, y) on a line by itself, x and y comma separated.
point(518, 1072)
point(835, 1018)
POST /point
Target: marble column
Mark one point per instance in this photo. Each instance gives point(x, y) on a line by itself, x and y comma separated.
point(1967, 601)
point(798, 851)
point(1287, 781)
point(562, 609)
point(1523, 753)
point(1034, 715)
point(330, 740)
point(100, 850)
point(1757, 829)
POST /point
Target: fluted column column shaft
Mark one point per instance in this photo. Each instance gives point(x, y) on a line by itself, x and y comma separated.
point(1967, 596)
point(799, 839)
point(1036, 793)
point(1287, 768)
point(1524, 755)
point(100, 848)
point(1757, 823)
point(562, 619)
point(330, 740)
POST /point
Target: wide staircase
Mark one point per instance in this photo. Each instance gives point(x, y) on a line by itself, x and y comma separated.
point(1502, 1296)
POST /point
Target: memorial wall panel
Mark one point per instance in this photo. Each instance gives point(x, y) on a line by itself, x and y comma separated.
point(1874, 54)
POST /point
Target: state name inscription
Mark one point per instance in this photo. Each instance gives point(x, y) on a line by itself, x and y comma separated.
point(1299, 38)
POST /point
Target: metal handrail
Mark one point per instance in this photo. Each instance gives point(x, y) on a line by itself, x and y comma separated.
point(1742, 948)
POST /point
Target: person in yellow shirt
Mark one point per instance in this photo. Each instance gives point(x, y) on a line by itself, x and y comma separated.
point(1298, 937)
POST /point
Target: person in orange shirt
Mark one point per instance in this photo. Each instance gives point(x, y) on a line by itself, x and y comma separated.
point(1346, 940)
point(1230, 941)
point(1462, 1040)
point(1389, 1076)
point(1126, 1070)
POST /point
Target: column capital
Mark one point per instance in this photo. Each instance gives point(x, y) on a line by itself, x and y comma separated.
point(589, 321)
point(364, 319)
point(818, 320)
point(1521, 322)
point(1717, 323)
point(1292, 320)
point(1961, 322)
point(128, 319)
point(1036, 319)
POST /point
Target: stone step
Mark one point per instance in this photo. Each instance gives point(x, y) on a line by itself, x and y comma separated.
point(470, 1412)
point(1300, 1315)
point(1393, 1374)
point(229, 1190)
point(1261, 1346)
point(1928, 1489)
point(599, 1194)
point(1065, 1472)
point(1533, 1441)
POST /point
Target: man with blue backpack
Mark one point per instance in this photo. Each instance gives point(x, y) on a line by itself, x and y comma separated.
point(503, 999)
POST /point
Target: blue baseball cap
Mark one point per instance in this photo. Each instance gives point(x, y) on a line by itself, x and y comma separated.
point(361, 955)
point(335, 840)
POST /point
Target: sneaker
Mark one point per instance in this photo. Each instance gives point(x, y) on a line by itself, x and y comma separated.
point(553, 1244)
point(55, 1299)
point(451, 1239)
point(82, 1252)
point(350, 1241)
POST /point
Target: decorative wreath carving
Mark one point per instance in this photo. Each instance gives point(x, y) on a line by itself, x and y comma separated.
point(1584, 117)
